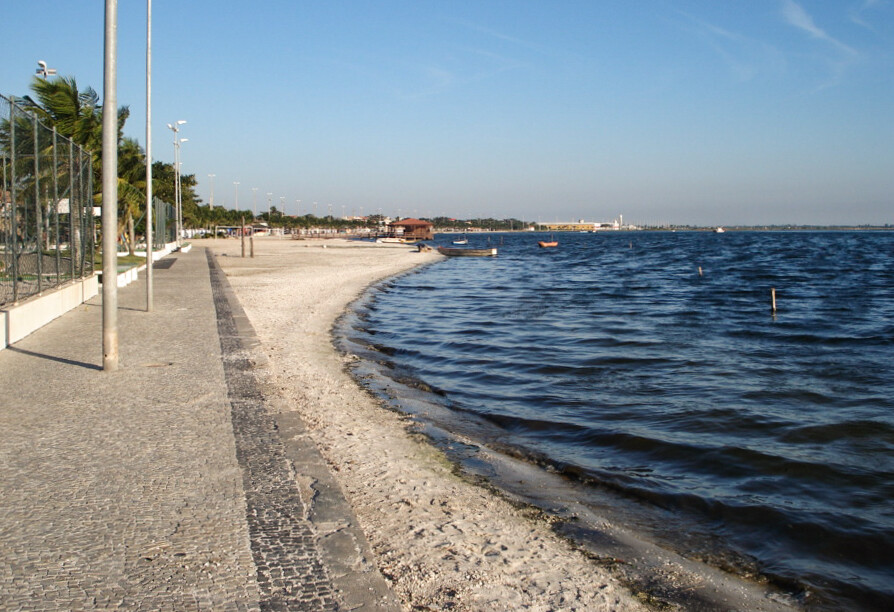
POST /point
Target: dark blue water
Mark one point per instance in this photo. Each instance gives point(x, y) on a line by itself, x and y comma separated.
point(612, 359)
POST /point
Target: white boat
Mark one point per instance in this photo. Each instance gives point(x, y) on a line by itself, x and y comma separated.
point(719, 230)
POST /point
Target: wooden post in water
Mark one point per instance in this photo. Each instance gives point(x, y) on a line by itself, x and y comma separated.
point(773, 300)
point(242, 233)
point(699, 270)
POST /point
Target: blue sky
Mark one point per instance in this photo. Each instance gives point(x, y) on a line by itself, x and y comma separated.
point(685, 111)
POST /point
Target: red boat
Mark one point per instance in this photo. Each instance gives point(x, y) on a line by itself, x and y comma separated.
point(543, 244)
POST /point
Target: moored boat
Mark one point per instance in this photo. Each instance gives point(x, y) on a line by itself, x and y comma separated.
point(449, 252)
point(545, 244)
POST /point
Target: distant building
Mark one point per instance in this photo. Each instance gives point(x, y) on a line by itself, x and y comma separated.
point(580, 226)
point(411, 229)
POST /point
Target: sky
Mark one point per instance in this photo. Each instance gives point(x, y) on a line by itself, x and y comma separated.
point(704, 112)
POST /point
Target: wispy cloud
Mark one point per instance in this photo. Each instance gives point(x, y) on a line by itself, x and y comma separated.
point(858, 14)
point(795, 15)
point(745, 57)
point(490, 32)
point(467, 63)
point(845, 56)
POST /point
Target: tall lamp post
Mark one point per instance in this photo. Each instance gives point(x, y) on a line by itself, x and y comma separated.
point(211, 199)
point(175, 127)
point(180, 191)
point(254, 200)
point(236, 194)
point(150, 250)
point(110, 189)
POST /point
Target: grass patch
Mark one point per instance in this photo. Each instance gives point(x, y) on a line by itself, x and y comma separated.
point(123, 260)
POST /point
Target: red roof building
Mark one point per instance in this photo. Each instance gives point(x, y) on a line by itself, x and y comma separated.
point(413, 229)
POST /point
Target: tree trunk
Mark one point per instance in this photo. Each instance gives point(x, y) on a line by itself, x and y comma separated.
point(131, 236)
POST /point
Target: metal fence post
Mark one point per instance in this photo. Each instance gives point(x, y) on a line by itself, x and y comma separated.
point(38, 216)
point(12, 199)
point(56, 208)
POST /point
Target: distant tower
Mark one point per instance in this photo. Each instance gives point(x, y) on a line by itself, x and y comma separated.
point(621, 220)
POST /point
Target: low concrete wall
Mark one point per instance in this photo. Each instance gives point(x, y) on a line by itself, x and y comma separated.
point(22, 319)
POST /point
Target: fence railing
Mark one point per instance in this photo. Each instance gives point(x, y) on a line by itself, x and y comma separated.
point(47, 228)
point(164, 230)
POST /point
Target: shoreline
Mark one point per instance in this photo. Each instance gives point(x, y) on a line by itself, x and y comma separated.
point(440, 540)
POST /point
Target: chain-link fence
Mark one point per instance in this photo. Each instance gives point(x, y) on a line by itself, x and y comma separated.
point(163, 221)
point(46, 209)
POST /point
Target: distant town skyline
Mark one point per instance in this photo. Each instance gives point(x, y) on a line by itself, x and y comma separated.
point(746, 112)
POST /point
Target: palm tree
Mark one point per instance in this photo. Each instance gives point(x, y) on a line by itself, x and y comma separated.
point(131, 187)
point(78, 115)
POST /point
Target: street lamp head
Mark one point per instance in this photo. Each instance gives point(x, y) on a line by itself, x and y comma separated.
point(43, 70)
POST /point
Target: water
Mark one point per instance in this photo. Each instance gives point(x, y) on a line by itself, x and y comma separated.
point(614, 361)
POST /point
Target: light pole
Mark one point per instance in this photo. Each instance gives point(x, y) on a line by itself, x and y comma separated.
point(236, 190)
point(175, 127)
point(180, 190)
point(110, 189)
point(269, 200)
point(254, 200)
point(282, 205)
point(211, 201)
point(150, 251)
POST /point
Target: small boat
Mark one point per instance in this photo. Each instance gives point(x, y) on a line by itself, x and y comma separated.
point(491, 252)
point(719, 230)
point(545, 244)
point(461, 241)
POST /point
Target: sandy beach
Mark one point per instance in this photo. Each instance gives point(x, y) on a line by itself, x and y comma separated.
point(441, 541)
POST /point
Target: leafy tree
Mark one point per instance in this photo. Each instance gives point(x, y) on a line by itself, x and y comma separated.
point(75, 114)
point(131, 187)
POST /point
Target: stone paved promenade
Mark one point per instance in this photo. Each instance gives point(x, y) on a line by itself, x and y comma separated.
point(174, 483)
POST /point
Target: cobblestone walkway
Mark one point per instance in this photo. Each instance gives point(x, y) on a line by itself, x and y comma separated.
point(122, 490)
point(291, 574)
point(171, 483)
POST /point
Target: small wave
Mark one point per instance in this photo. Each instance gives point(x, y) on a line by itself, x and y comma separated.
point(614, 362)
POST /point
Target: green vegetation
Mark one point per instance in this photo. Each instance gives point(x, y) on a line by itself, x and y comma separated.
point(123, 260)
